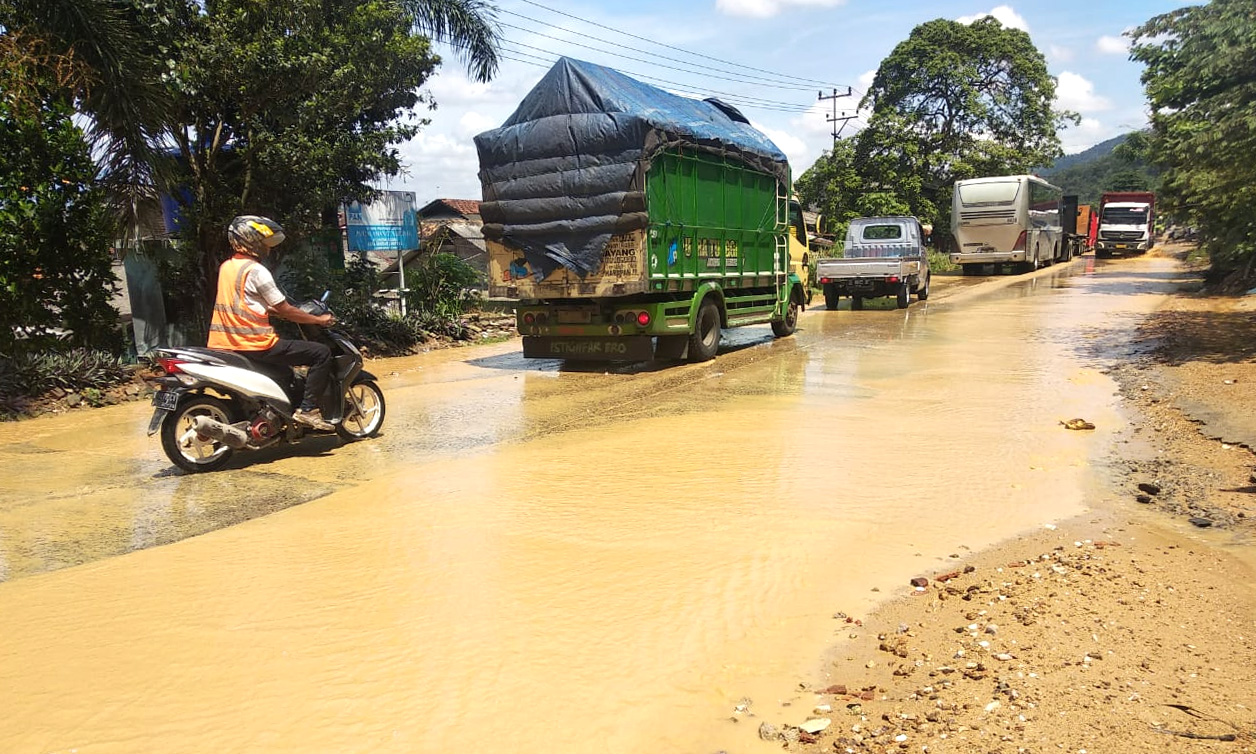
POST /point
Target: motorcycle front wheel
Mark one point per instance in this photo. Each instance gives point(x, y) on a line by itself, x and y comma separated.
point(364, 411)
point(181, 443)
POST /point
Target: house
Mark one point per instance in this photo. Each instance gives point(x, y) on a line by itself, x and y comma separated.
point(449, 226)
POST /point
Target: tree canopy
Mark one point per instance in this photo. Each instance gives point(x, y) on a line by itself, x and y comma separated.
point(952, 101)
point(1200, 80)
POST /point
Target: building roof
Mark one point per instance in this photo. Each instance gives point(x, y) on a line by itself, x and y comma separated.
point(464, 207)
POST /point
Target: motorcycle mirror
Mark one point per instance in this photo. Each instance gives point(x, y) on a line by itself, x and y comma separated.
point(326, 295)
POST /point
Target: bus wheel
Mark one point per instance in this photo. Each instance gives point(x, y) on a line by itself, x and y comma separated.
point(904, 295)
point(705, 339)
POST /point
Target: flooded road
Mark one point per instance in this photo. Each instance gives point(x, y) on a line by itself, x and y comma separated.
point(538, 558)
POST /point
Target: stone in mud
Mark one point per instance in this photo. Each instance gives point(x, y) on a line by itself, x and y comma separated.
point(920, 581)
point(768, 732)
point(1201, 522)
point(1149, 488)
point(1144, 499)
point(815, 725)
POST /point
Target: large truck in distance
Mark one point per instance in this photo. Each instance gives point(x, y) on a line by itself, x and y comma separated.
point(633, 224)
point(1007, 220)
point(882, 256)
point(1126, 223)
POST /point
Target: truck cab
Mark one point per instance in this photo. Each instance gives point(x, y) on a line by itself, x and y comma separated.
point(799, 248)
point(1126, 223)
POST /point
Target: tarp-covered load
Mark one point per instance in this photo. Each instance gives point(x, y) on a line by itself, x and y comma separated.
point(567, 170)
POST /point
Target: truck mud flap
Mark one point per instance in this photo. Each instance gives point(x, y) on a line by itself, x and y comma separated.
point(608, 348)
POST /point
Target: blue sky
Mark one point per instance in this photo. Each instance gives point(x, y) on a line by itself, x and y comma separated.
point(769, 57)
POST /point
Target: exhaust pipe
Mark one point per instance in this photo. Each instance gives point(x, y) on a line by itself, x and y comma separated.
point(231, 436)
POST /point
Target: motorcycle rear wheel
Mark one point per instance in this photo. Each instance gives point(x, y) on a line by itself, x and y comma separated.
point(364, 411)
point(181, 443)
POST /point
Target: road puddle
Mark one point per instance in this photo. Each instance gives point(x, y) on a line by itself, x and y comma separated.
point(598, 562)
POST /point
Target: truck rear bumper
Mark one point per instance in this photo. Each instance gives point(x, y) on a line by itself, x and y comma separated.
point(585, 348)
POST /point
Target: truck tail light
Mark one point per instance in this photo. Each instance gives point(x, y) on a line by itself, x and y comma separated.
point(529, 318)
point(643, 319)
point(892, 279)
point(824, 281)
point(1020, 242)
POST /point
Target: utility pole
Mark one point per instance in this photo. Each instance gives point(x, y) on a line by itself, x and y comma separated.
point(834, 118)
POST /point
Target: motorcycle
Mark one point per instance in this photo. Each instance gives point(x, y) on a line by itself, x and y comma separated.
point(213, 403)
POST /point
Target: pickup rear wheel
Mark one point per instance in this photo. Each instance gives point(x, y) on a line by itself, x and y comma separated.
point(922, 293)
point(856, 303)
point(831, 297)
point(705, 340)
point(904, 295)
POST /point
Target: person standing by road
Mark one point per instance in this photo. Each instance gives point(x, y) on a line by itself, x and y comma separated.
point(248, 295)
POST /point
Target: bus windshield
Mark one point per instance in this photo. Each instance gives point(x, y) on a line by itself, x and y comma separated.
point(995, 192)
point(1125, 215)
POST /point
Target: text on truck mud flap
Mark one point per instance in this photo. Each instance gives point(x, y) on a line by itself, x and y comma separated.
point(605, 348)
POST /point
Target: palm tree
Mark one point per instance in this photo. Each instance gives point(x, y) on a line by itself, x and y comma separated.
point(469, 26)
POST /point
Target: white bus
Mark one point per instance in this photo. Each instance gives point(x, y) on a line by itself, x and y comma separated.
point(1011, 219)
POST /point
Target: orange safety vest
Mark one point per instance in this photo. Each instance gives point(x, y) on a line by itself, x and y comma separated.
point(235, 326)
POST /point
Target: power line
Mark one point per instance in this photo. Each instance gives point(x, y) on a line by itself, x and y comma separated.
point(778, 82)
point(773, 104)
point(811, 82)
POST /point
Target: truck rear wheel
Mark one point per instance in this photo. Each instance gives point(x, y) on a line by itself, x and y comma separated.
point(831, 297)
point(856, 303)
point(922, 293)
point(904, 295)
point(705, 340)
point(789, 323)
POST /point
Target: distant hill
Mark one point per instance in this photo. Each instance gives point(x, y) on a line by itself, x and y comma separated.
point(1093, 171)
point(1102, 149)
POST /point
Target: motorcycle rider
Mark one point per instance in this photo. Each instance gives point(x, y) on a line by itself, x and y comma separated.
point(247, 296)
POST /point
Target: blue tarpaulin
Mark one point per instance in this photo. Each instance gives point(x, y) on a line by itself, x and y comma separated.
point(567, 170)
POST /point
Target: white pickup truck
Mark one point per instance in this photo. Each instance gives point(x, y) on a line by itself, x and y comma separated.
point(883, 256)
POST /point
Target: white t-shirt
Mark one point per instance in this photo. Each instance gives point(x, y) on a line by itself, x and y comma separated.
point(260, 291)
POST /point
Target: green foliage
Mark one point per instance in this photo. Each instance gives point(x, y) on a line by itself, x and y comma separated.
point(287, 109)
point(1201, 85)
point(952, 101)
point(33, 374)
point(442, 285)
point(56, 282)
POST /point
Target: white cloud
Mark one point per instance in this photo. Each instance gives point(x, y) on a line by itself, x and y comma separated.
point(866, 78)
point(1109, 45)
point(1060, 54)
point(1003, 14)
point(1073, 92)
point(1085, 135)
point(769, 8)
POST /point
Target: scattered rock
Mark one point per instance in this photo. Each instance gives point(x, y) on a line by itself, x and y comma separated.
point(1144, 499)
point(815, 725)
point(1149, 488)
point(920, 582)
point(1201, 522)
point(768, 732)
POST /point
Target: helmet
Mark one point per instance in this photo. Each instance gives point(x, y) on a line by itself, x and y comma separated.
point(254, 235)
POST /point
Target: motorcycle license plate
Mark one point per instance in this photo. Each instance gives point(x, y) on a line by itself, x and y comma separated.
point(166, 400)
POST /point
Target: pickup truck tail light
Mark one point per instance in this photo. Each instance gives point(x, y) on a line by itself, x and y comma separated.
point(825, 281)
point(892, 279)
point(1020, 242)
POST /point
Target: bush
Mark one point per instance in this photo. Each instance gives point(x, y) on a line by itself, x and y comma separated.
point(30, 375)
point(442, 285)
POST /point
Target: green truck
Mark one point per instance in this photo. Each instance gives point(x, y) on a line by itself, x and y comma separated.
point(631, 224)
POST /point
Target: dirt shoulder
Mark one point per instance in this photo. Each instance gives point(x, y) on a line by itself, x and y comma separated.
point(1129, 629)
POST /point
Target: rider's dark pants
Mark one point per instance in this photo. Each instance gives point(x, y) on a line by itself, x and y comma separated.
point(294, 353)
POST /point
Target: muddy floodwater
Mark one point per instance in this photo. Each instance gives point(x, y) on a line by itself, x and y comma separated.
point(537, 558)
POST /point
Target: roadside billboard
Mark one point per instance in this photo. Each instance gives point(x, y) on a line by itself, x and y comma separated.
point(388, 223)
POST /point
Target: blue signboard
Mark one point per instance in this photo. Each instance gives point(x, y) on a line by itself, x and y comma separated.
point(387, 224)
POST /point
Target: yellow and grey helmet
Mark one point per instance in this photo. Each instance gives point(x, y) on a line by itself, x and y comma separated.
point(254, 235)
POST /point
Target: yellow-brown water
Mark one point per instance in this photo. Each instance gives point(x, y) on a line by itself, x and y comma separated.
point(536, 559)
